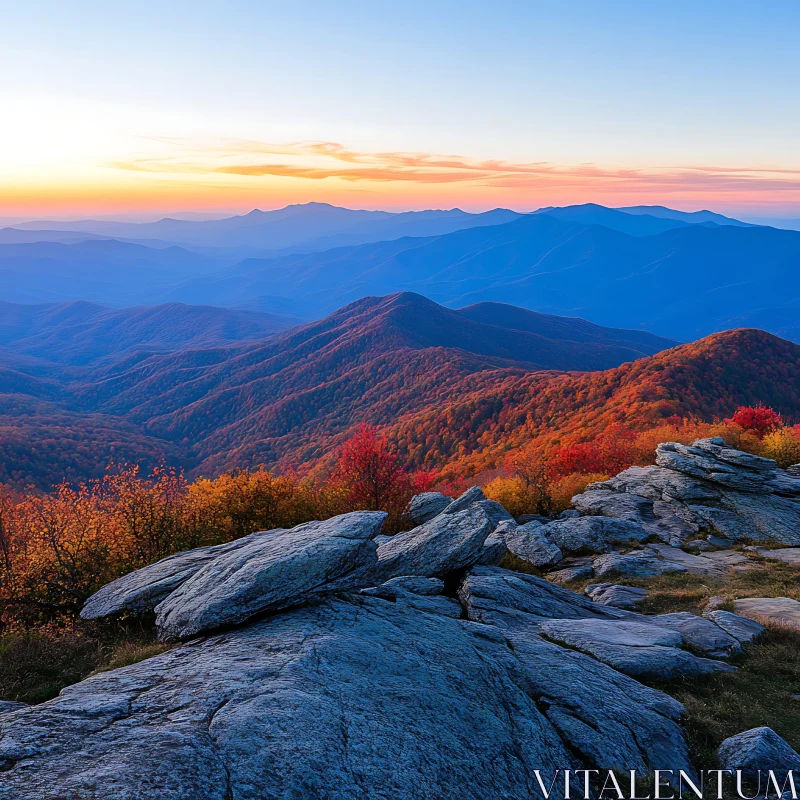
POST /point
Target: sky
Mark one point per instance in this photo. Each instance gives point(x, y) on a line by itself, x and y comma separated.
point(142, 109)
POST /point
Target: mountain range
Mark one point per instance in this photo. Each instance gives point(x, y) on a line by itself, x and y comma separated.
point(448, 383)
point(684, 282)
point(681, 275)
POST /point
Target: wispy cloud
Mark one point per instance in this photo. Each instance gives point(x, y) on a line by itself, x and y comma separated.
point(316, 161)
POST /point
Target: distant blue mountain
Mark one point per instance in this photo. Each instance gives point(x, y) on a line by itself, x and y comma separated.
point(307, 227)
point(104, 270)
point(683, 283)
point(80, 333)
point(690, 217)
point(632, 224)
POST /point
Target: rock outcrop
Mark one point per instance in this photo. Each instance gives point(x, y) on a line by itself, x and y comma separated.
point(593, 534)
point(641, 649)
point(332, 661)
point(270, 573)
point(344, 696)
point(529, 543)
point(145, 588)
point(448, 542)
point(706, 487)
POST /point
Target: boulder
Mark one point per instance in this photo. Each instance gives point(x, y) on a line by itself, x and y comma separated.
point(640, 649)
point(449, 542)
point(611, 594)
point(355, 696)
point(758, 749)
point(741, 628)
point(270, 573)
point(592, 534)
point(427, 505)
point(578, 572)
point(530, 543)
point(473, 495)
point(779, 611)
point(496, 512)
point(494, 548)
point(143, 589)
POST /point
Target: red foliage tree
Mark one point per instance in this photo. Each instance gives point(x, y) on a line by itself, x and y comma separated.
point(609, 454)
point(372, 476)
point(759, 420)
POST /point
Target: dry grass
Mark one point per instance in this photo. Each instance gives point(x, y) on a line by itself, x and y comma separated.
point(760, 693)
point(36, 665)
point(687, 592)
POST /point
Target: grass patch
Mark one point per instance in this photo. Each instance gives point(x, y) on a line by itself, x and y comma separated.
point(683, 591)
point(760, 693)
point(516, 564)
point(35, 665)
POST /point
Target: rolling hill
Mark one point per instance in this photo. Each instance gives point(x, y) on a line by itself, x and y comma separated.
point(81, 333)
point(291, 393)
point(452, 386)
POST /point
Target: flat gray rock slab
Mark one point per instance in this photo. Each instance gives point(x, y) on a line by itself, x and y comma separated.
point(780, 611)
point(449, 542)
point(636, 564)
point(789, 555)
point(701, 633)
point(639, 649)
point(426, 506)
point(716, 563)
point(529, 543)
point(270, 574)
point(617, 595)
point(352, 697)
point(741, 628)
point(758, 749)
point(592, 534)
point(631, 633)
point(143, 589)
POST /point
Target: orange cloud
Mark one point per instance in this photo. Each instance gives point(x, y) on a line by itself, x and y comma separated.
point(319, 161)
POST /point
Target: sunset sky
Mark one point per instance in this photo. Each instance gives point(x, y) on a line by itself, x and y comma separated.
point(148, 108)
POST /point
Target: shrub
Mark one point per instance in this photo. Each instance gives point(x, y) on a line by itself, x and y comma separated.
point(783, 445)
point(567, 487)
